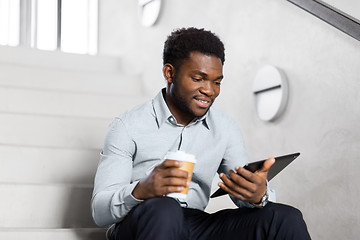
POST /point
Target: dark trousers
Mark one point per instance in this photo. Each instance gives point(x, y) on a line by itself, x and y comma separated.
point(163, 219)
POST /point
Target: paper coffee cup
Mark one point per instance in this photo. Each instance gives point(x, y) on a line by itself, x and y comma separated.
point(188, 161)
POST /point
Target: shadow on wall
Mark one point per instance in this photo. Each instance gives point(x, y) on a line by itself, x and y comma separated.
point(77, 213)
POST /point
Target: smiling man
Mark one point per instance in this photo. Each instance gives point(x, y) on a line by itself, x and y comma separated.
point(193, 87)
point(133, 178)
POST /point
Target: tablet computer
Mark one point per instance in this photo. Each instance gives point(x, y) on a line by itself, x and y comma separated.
point(280, 163)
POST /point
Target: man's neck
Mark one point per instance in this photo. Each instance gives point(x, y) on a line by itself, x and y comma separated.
point(175, 111)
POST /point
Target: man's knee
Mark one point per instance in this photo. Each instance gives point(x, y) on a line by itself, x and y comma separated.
point(287, 213)
point(161, 204)
point(159, 218)
point(289, 221)
point(156, 218)
point(160, 208)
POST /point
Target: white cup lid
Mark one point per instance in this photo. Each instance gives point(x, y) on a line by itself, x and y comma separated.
point(181, 156)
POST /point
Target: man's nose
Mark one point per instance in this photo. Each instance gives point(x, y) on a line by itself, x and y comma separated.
point(207, 88)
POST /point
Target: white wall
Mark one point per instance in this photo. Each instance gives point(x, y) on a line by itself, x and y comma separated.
point(322, 117)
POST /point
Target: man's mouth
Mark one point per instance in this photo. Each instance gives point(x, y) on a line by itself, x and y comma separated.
point(203, 103)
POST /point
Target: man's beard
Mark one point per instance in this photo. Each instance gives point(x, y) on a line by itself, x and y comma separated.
point(182, 104)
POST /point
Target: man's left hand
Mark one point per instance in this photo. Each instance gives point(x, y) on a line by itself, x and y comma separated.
point(245, 185)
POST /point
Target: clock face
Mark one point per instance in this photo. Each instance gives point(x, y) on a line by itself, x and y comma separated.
point(148, 11)
point(270, 89)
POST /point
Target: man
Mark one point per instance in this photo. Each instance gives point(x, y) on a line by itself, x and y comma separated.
point(133, 177)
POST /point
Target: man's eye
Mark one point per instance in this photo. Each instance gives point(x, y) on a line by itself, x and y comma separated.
point(218, 83)
point(196, 79)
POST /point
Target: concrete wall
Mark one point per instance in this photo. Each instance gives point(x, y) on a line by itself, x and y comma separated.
point(322, 117)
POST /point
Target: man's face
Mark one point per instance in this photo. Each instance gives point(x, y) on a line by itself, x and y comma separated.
point(194, 86)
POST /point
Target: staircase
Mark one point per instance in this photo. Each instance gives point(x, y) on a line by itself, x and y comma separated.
point(54, 112)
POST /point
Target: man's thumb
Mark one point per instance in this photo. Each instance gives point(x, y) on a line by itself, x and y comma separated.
point(267, 164)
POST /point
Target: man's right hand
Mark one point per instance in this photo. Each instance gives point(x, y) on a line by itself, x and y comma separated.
point(165, 178)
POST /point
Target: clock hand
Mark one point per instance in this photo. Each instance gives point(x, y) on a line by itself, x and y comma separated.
point(143, 3)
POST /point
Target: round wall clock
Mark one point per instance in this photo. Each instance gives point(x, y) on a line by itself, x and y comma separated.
point(271, 92)
point(148, 11)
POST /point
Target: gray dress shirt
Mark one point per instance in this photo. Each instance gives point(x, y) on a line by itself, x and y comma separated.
point(139, 139)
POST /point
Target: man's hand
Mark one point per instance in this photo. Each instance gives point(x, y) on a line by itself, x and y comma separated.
point(245, 185)
point(165, 178)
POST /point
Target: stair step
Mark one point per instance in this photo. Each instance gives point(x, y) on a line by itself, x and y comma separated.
point(53, 234)
point(36, 206)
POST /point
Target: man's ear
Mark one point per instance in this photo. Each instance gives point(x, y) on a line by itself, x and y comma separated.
point(169, 72)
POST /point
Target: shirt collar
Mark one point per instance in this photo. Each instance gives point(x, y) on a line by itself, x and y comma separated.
point(162, 112)
point(203, 119)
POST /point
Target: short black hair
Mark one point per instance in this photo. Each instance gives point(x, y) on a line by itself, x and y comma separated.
point(183, 41)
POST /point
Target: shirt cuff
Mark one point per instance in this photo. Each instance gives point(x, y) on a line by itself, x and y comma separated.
point(123, 201)
point(132, 196)
point(130, 200)
point(271, 193)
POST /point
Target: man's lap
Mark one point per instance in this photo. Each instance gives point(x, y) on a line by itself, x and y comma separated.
point(242, 223)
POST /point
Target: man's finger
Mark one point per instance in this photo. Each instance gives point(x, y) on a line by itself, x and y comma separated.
point(231, 188)
point(267, 164)
point(168, 163)
point(172, 168)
